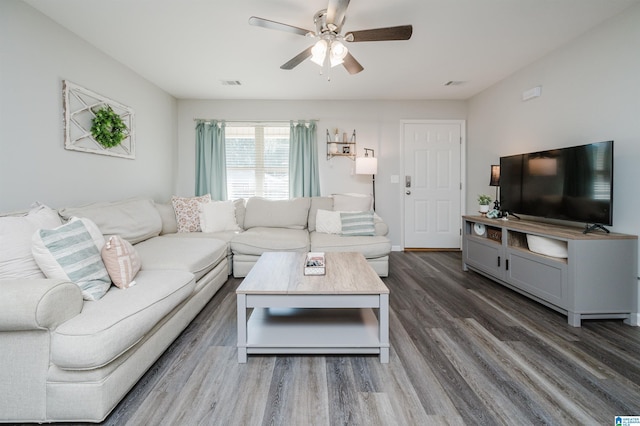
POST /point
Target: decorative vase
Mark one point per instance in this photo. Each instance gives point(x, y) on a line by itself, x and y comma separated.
point(333, 148)
point(484, 208)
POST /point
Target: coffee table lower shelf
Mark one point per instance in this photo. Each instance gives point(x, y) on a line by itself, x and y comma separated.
point(313, 331)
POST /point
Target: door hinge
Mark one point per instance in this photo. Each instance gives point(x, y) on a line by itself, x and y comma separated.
point(460, 231)
point(460, 186)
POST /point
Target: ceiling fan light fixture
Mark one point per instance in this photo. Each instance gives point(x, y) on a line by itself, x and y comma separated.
point(319, 52)
point(329, 49)
point(338, 53)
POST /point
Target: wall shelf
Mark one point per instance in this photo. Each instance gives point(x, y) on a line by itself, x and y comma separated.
point(342, 147)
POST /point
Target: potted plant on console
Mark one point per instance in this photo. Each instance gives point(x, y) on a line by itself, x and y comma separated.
point(484, 201)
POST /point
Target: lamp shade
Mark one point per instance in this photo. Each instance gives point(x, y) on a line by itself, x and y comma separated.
point(495, 175)
point(319, 52)
point(366, 166)
point(338, 53)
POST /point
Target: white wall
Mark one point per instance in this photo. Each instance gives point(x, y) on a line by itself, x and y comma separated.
point(590, 93)
point(37, 54)
point(377, 124)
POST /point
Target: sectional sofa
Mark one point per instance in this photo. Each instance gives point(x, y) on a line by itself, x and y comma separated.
point(66, 358)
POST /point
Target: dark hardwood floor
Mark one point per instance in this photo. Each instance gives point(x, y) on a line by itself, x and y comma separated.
point(464, 350)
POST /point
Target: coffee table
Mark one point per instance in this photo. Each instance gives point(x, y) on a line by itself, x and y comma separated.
point(322, 314)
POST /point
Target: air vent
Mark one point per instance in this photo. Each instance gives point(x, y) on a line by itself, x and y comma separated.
point(231, 82)
point(454, 83)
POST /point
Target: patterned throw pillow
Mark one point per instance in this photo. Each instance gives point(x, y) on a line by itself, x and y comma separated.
point(358, 224)
point(121, 260)
point(72, 252)
point(188, 212)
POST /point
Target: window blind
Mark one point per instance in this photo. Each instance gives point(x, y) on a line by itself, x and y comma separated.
point(257, 161)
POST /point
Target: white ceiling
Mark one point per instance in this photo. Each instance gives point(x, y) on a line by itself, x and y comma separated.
point(187, 47)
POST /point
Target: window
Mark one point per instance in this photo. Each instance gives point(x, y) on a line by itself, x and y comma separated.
point(257, 161)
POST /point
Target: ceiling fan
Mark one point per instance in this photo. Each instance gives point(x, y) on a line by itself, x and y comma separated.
point(329, 48)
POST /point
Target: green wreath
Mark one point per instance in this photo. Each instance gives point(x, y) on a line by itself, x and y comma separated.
point(108, 129)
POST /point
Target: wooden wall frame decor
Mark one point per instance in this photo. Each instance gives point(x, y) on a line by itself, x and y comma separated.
point(79, 105)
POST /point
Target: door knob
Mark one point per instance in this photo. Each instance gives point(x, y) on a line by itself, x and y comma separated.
point(408, 192)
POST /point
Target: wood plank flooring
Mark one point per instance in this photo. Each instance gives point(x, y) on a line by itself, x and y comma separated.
point(464, 350)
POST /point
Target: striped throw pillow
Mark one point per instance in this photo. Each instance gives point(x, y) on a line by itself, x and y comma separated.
point(358, 224)
point(72, 252)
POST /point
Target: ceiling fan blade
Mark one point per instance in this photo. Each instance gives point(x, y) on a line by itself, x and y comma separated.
point(297, 60)
point(402, 32)
point(336, 12)
point(351, 65)
point(273, 25)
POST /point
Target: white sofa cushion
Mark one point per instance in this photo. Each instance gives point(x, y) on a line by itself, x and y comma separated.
point(16, 260)
point(352, 202)
point(134, 219)
point(292, 214)
point(195, 255)
point(168, 216)
point(256, 241)
point(106, 328)
point(370, 247)
point(225, 236)
point(317, 203)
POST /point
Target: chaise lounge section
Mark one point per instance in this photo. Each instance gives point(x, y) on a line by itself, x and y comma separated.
point(69, 359)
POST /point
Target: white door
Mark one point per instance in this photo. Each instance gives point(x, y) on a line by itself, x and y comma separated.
point(432, 184)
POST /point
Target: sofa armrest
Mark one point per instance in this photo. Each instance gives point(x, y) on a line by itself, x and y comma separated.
point(381, 227)
point(28, 304)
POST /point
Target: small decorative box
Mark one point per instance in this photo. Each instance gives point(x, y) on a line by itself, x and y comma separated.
point(314, 264)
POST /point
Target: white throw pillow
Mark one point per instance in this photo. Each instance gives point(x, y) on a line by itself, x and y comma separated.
point(328, 222)
point(16, 260)
point(352, 202)
point(72, 252)
point(218, 216)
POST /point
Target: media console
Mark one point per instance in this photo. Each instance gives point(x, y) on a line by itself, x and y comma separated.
point(596, 279)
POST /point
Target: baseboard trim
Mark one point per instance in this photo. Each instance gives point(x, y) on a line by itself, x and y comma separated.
point(634, 320)
point(430, 249)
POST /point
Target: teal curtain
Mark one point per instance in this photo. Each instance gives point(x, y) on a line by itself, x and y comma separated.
point(211, 164)
point(304, 180)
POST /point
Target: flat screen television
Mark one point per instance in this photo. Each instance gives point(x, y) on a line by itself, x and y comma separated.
point(573, 184)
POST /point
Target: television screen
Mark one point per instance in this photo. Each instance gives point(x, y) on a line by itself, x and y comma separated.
point(574, 183)
point(511, 183)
